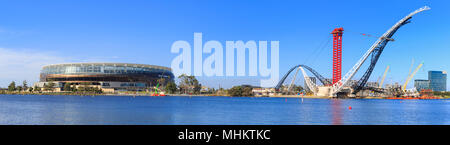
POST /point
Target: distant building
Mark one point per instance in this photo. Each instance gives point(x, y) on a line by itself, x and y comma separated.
point(372, 84)
point(438, 80)
point(420, 84)
point(263, 92)
point(393, 86)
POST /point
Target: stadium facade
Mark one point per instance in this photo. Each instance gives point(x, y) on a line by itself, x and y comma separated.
point(110, 77)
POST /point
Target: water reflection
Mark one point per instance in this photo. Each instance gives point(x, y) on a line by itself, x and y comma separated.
point(336, 111)
point(18, 109)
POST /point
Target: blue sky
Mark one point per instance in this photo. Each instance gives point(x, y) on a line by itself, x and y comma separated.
point(36, 33)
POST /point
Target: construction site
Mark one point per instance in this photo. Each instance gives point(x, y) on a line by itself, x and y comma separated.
point(346, 86)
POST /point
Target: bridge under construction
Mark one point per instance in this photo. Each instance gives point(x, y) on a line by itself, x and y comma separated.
point(341, 86)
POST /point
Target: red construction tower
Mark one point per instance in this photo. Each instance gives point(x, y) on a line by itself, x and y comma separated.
point(337, 53)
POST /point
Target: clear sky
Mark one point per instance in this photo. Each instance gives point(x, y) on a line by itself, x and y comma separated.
point(36, 33)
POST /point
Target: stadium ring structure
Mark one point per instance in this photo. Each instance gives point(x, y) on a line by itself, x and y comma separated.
point(111, 76)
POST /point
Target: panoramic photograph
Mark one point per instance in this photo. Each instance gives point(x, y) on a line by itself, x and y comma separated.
point(200, 62)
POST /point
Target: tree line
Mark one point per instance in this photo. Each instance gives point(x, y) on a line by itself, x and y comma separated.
point(187, 85)
point(50, 87)
point(190, 85)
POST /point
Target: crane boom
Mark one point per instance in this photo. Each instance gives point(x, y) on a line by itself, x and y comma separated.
point(411, 67)
point(384, 76)
point(382, 41)
point(411, 76)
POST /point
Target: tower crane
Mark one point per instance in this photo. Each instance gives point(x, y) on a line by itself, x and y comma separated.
point(411, 67)
point(411, 76)
point(384, 76)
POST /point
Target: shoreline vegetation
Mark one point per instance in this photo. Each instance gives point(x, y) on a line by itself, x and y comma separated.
point(187, 86)
point(150, 95)
point(182, 95)
point(146, 94)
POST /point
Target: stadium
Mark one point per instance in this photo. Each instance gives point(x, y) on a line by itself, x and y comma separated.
point(110, 77)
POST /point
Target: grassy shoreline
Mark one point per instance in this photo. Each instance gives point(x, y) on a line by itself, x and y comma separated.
point(183, 95)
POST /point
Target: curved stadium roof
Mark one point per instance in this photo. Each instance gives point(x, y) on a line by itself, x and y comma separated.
point(110, 64)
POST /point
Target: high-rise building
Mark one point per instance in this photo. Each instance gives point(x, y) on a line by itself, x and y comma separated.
point(438, 80)
point(420, 84)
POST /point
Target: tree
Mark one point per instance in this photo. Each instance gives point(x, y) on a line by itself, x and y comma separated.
point(38, 89)
point(19, 88)
point(221, 91)
point(235, 91)
point(196, 86)
point(184, 83)
point(30, 89)
point(171, 87)
point(67, 87)
point(247, 91)
point(49, 86)
point(189, 84)
point(240, 91)
point(24, 85)
point(12, 86)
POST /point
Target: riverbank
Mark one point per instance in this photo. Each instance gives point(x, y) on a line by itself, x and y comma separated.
point(146, 94)
point(298, 96)
point(183, 95)
point(52, 93)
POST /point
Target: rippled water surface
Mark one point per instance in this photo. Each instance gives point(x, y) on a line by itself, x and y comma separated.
point(34, 109)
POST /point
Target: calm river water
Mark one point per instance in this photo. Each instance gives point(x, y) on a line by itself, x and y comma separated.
point(34, 109)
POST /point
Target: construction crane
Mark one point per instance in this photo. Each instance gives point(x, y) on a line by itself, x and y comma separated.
point(384, 76)
point(411, 67)
point(374, 51)
point(342, 87)
point(411, 76)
